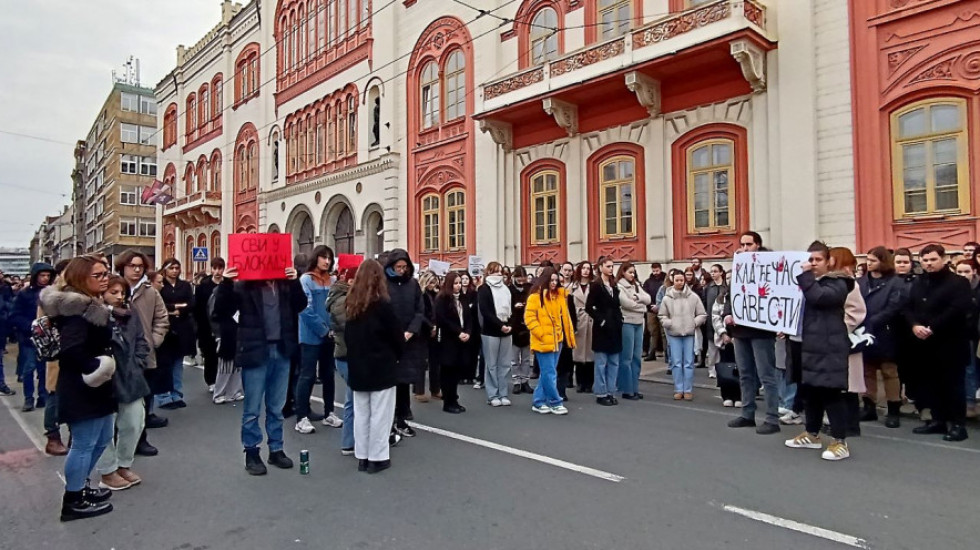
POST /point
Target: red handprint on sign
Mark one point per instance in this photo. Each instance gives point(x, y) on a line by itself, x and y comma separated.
point(743, 289)
point(764, 290)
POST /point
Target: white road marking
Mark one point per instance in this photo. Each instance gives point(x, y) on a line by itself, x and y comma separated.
point(28, 431)
point(798, 527)
point(615, 478)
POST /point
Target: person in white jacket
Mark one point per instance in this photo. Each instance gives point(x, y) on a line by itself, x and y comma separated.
point(634, 301)
point(681, 314)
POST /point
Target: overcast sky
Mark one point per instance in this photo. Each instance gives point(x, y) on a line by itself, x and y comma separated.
point(56, 66)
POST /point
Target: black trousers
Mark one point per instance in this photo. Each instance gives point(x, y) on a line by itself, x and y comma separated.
point(817, 401)
point(449, 379)
point(209, 350)
point(565, 370)
point(585, 374)
point(945, 393)
point(403, 403)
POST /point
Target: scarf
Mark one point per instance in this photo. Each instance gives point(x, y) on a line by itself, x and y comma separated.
point(501, 297)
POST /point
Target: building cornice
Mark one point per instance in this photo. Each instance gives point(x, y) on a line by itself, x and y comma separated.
point(384, 163)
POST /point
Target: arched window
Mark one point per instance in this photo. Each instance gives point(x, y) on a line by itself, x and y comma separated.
point(544, 36)
point(247, 159)
point(617, 198)
point(455, 79)
point(614, 17)
point(430, 223)
point(189, 256)
point(217, 103)
point(241, 168)
point(351, 123)
point(189, 179)
point(247, 74)
point(711, 186)
point(203, 106)
point(331, 135)
point(544, 207)
point(253, 165)
point(191, 114)
point(343, 237)
point(301, 139)
point(341, 133)
point(202, 174)
point(216, 171)
point(374, 104)
point(321, 26)
point(319, 138)
point(456, 215)
point(170, 126)
point(930, 163)
point(215, 244)
point(429, 86)
point(311, 33)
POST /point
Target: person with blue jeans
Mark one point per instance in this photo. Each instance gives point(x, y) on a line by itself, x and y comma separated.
point(755, 355)
point(181, 339)
point(6, 303)
point(607, 332)
point(22, 315)
point(547, 318)
point(268, 314)
point(315, 344)
point(634, 302)
point(337, 308)
point(681, 314)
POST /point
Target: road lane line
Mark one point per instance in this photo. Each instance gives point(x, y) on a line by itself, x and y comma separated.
point(508, 450)
point(28, 431)
point(807, 529)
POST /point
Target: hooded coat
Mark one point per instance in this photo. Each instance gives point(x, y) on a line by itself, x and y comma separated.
point(83, 322)
point(406, 301)
point(825, 346)
point(24, 309)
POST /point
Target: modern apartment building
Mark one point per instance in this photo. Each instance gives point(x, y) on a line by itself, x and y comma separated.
point(114, 163)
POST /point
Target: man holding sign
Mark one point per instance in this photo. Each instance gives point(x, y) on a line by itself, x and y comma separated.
point(268, 312)
point(753, 320)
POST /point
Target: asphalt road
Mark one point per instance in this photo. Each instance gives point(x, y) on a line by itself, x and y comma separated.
point(647, 474)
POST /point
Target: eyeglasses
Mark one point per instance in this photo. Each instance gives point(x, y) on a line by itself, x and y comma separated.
point(136, 266)
point(101, 275)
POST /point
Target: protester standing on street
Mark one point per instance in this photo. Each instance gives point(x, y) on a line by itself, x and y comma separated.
point(547, 317)
point(494, 303)
point(882, 294)
point(654, 332)
point(205, 336)
point(337, 308)
point(521, 338)
point(967, 269)
point(52, 430)
point(21, 316)
point(454, 329)
point(607, 332)
point(682, 314)
point(582, 356)
point(405, 296)
point(825, 351)
point(842, 261)
point(228, 380)
point(476, 369)
point(268, 319)
point(937, 310)
point(6, 304)
point(634, 303)
point(84, 391)
point(429, 283)
point(130, 352)
point(755, 355)
point(375, 339)
point(715, 288)
point(178, 296)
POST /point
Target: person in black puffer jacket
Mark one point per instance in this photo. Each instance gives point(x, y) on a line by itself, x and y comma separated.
point(85, 395)
point(181, 340)
point(406, 299)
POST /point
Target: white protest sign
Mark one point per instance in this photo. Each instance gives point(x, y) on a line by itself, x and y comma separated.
point(439, 267)
point(764, 292)
point(476, 266)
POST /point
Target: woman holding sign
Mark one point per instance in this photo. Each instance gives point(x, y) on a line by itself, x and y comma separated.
point(682, 314)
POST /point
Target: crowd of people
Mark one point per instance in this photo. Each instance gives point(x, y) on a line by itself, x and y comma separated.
point(397, 337)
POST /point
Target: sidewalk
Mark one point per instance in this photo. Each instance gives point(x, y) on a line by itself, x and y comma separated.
point(656, 372)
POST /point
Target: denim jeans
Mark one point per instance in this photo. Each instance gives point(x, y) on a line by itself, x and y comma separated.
point(310, 356)
point(787, 390)
point(347, 431)
point(682, 362)
point(29, 367)
point(606, 373)
point(756, 360)
point(88, 439)
point(497, 352)
point(547, 391)
point(265, 384)
point(177, 375)
point(631, 358)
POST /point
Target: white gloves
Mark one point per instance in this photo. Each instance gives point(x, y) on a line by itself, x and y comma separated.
point(102, 374)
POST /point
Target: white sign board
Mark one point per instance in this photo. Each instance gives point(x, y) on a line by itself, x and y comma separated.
point(764, 292)
point(476, 266)
point(439, 267)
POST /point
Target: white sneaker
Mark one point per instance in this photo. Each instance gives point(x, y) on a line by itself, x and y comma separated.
point(505, 401)
point(211, 388)
point(804, 441)
point(712, 375)
point(221, 400)
point(478, 386)
point(728, 403)
point(790, 419)
point(559, 410)
point(495, 402)
point(304, 426)
point(543, 409)
point(738, 404)
point(332, 421)
point(836, 451)
point(783, 411)
point(240, 397)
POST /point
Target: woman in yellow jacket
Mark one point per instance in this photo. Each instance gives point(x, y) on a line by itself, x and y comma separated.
point(546, 316)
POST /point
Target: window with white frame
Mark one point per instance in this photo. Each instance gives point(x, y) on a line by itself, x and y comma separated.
point(146, 134)
point(148, 229)
point(129, 133)
point(99, 234)
point(130, 102)
point(128, 196)
point(148, 166)
point(148, 105)
point(127, 228)
point(128, 164)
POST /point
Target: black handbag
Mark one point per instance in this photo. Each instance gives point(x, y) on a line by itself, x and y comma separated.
point(727, 372)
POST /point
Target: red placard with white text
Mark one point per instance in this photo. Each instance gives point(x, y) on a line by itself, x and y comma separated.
point(260, 256)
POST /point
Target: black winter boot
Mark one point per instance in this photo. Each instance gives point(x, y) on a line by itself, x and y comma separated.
point(75, 506)
point(894, 413)
point(253, 463)
point(870, 411)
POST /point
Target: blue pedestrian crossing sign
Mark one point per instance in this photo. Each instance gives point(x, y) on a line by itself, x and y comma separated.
point(200, 254)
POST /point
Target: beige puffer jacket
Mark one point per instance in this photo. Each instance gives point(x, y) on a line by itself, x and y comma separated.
point(681, 312)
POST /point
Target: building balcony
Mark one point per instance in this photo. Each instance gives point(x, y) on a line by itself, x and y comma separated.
point(194, 210)
point(662, 39)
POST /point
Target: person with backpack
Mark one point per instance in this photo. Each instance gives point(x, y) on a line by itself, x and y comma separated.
point(21, 316)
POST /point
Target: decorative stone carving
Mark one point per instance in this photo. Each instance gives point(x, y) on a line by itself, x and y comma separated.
point(940, 71)
point(516, 82)
point(588, 57)
point(500, 133)
point(566, 114)
point(898, 58)
point(647, 91)
point(681, 23)
point(755, 13)
point(753, 62)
